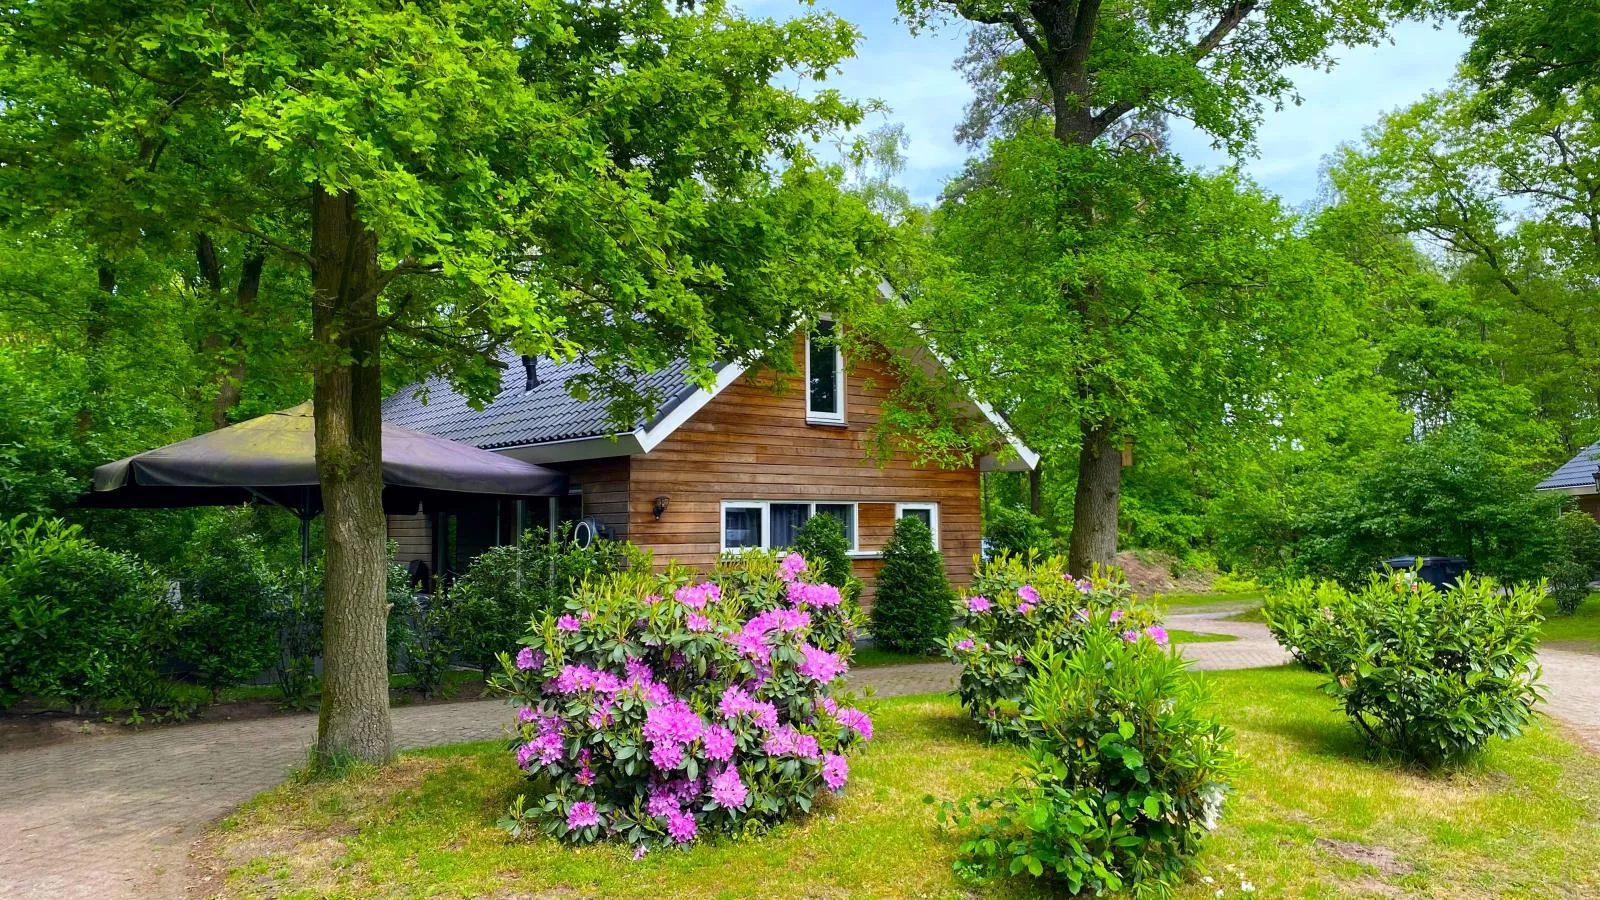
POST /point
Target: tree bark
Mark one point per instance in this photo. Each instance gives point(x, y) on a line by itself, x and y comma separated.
point(1094, 505)
point(347, 392)
point(1036, 489)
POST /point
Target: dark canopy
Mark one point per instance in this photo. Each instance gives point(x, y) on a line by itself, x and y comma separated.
point(273, 458)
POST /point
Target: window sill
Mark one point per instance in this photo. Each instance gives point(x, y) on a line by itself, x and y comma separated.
point(865, 554)
point(827, 423)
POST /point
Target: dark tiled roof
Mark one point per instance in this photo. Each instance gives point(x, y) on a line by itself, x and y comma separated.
point(546, 413)
point(1577, 472)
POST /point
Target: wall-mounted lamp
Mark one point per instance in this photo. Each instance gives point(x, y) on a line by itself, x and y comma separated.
point(661, 506)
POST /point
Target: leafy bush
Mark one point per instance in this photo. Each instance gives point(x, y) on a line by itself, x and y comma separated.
point(1015, 531)
point(299, 624)
point(228, 604)
point(489, 607)
point(78, 623)
point(1431, 675)
point(655, 708)
point(1016, 603)
point(1305, 618)
point(1234, 583)
point(1576, 562)
point(822, 541)
point(911, 610)
point(1125, 773)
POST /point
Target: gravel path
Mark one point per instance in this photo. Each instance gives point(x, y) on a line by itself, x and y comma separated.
point(114, 816)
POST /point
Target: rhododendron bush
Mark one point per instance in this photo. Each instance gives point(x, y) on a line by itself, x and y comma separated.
point(656, 708)
point(1019, 602)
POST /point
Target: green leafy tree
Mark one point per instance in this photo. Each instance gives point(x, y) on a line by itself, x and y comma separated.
point(1015, 531)
point(1122, 290)
point(227, 625)
point(1576, 562)
point(911, 606)
point(620, 181)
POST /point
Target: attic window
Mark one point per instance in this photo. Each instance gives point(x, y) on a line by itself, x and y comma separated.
point(824, 376)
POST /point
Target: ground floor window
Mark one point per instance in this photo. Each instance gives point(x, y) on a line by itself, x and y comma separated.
point(927, 512)
point(773, 524)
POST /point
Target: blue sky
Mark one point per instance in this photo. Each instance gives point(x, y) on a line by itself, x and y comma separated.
point(913, 76)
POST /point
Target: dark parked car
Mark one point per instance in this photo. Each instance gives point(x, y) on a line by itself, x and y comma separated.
point(1439, 571)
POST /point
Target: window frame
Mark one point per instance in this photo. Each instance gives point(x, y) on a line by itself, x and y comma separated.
point(933, 516)
point(766, 521)
point(840, 383)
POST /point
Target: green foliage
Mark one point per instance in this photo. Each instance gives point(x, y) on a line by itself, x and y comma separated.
point(911, 606)
point(1427, 675)
point(821, 540)
point(78, 623)
point(1447, 494)
point(1307, 618)
point(229, 604)
point(489, 607)
point(1125, 775)
point(1015, 531)
point(1576, 561)
point(1017, 603)
point(299, 623)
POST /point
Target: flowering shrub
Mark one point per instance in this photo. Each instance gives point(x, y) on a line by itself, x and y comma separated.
point(1018, 602)
point(1304, 617)
point(1430, 675)
point(654, 708)
point(1124, 776)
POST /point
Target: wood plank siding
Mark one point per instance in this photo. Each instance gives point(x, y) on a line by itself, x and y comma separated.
point(752, 442)
point(603, 486)
point(413, 538)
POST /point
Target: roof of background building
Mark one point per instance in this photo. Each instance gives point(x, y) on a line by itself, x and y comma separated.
point(1577, 472)
point(518, 416)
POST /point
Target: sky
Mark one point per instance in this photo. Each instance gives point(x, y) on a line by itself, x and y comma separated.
point(914, 77)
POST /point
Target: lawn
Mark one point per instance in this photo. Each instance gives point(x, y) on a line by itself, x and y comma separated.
point(869, 656)
point(1179, 636)
point(1312, 817)
point(1583, 625)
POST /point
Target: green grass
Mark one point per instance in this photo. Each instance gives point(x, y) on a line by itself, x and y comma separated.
point(1516, 822)
point(868, 657)
point(1182, 603)
point(1179, 636)
point(1583, 625)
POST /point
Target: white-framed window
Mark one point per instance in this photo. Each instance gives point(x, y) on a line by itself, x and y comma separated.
point(927, 512)
point(825, 384)
point(773, 524)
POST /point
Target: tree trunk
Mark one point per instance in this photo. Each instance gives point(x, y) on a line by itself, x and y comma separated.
point(229, 382)
point(1094, 506)
point(347, 392)
point(1036, 489)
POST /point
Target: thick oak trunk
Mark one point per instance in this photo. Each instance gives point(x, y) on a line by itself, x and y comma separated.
point(347, 393)
point(1094, 506)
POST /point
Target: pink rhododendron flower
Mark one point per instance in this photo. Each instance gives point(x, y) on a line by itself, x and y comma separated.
point(568, 623)
point(681, 826)
point(978, 604)
point(652, 599)
point(529, 658)
point(791, 567)
point(819, 664)
point(582, 815)
point(719, 743)
point(1130, 635)
point(821, 596)
point(526, 714)
point(1025, 607)
point(697, 622)
point(1158, 634)
point(786, 740)
point(856, 721)
point(696, 596)
point(735, 703)
point(1116, 615)
point(830, 705)
point(1084, 585)
point(640, 851)
point(835, 771)
point(1028, 594)
point(728, 790)
point(1081, 615)
point(965, 644)
point(525, 754)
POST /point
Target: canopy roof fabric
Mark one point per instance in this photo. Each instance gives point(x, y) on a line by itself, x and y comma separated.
point(273, 458)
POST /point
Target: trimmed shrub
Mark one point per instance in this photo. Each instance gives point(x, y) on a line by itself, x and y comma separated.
point(655, 709)
point(489, 607)
point(227, 606)
point(1428, 675)
point(1576, 563)
point(911, 608)
point(1018, 603)
point(1016, 532)
point(821, 540)
point(1305, 616)
point(78, 623)
point(1125, 773)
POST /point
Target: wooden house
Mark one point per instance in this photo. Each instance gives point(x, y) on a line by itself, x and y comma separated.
point(742, 464)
